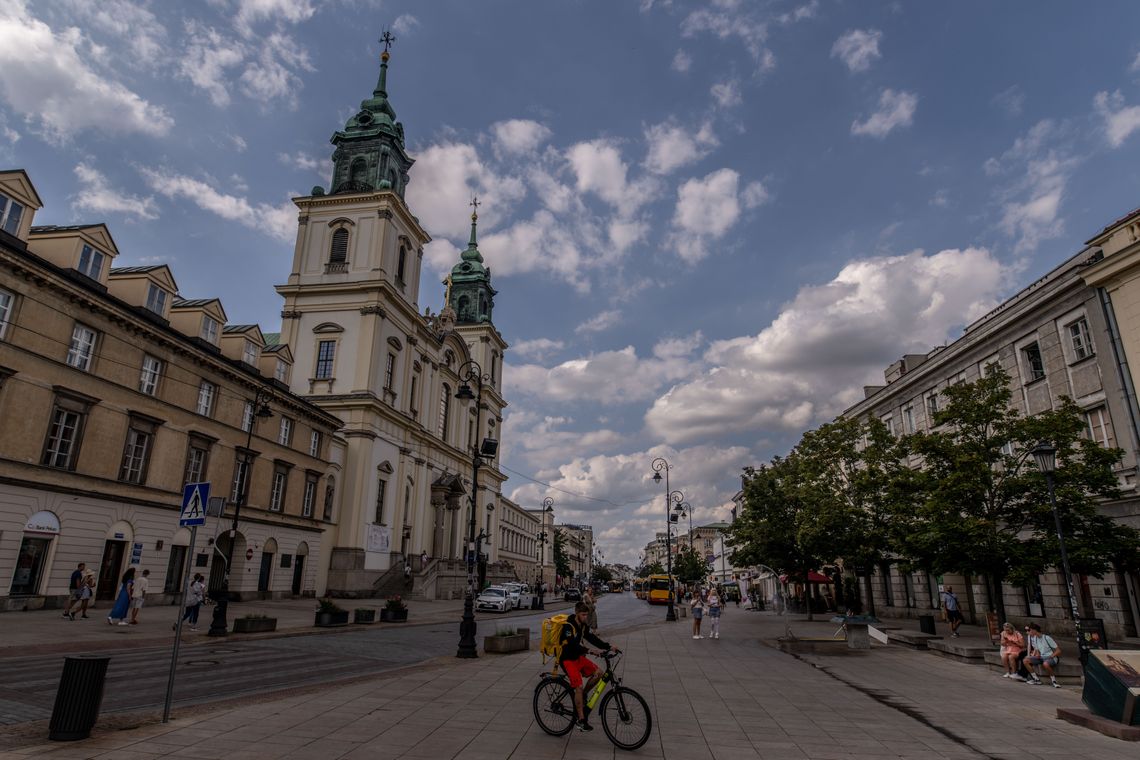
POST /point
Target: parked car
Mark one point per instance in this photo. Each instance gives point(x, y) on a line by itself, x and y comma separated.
point(520, 594)
point(512, 595)
point(572, 595)
point(495, 599)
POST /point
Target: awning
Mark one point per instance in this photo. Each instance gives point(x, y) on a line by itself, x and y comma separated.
point(813, 577)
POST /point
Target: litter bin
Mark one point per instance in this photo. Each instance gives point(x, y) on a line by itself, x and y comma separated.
point(78, 698)
point(926, 624)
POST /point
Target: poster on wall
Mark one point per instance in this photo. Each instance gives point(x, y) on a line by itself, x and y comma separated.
point(378, 539)
point(136, 553)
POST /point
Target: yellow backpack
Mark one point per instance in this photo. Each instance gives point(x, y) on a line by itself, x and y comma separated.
point(551, 645)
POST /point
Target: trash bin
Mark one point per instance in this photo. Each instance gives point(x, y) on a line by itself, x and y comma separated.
point(78, 698)
point(926, 624)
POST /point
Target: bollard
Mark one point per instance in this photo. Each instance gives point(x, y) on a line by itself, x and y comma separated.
point(78, 698)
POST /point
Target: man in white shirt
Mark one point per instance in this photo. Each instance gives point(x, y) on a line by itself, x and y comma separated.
point(138, 595)
point(1043, 651)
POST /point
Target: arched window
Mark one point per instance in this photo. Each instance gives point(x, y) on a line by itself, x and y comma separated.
point(400, 264)
point(444, 411)
point(338, 252)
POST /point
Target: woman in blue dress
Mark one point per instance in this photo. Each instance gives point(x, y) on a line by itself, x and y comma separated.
point(123, 602)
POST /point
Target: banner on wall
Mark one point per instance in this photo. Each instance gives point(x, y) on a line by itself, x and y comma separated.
point(378, 538)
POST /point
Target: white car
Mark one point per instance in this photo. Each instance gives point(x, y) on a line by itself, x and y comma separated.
point(513, 592)
point(495, 599)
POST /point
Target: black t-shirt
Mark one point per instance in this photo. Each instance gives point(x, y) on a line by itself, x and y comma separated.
point(75, 577)
point(571, 637)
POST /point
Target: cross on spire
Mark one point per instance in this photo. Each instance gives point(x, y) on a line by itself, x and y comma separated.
point(386, 40)
point(475, 204)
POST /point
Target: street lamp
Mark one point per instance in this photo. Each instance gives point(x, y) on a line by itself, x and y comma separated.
point(547, 506)
point(1046, 455)
point(658, 465)
point(469, 372)
point(259, 409)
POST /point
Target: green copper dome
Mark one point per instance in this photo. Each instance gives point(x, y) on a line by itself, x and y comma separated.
point(472, 296)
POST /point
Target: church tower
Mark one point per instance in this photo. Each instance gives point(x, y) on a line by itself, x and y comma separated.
point(471, 295)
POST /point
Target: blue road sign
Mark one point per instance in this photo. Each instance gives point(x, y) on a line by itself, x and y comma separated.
point(195, 497)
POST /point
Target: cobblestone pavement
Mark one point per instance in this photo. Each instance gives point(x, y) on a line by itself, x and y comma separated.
point(735, 697)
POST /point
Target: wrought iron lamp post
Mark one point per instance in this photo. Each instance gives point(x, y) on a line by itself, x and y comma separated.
point(547, 506)
point(469, 372)
point(658, 465)
point(219, 626)
point(1046, 456)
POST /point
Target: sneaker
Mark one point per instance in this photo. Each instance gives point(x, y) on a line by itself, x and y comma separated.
point(68, 616)
point(716, 635)
point(123, 622)
point(1005, 675)
point(584, 726)
point(696, 637)
point(193, 628)
point(110, 621)
point(1016, 677)
point(1034, 682)
point(1054, 684)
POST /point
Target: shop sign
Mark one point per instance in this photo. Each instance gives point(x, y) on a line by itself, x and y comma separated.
point(42, 522)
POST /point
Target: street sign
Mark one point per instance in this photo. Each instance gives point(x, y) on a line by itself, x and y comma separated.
point(249, 554)
point(195, 498)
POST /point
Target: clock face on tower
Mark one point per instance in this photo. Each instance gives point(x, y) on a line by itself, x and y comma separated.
point(364, 118)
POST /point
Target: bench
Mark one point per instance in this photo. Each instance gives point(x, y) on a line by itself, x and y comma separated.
point(1068, 670)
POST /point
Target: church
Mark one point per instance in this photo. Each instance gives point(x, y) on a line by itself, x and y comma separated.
point(418, 393)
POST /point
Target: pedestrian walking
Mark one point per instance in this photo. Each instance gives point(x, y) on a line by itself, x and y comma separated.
point(953, 613)
point(194, 599)
point(697, 606)
point(81, 586)
point(1012, 643)
point(423, 560)
point(123, 602)
point(1043, 652)
point(714, 608)
point(138, 595)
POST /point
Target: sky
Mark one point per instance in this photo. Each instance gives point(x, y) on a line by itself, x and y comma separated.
point(710, 223)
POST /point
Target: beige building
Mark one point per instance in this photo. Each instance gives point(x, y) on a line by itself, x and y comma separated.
point(1060, 336)
point(518, 540)
point(114, 393)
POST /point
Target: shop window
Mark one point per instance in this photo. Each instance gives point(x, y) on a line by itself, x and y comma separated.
point(30, 565)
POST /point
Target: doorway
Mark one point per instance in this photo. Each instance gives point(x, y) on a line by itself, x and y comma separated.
point(29, 566)
point(110, 568)
point(266, 571)
point(298, 574)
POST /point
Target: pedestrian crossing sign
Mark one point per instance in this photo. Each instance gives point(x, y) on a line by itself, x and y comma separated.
point(195, 497)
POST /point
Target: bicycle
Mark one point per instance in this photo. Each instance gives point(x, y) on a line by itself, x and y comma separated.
point(625, 714)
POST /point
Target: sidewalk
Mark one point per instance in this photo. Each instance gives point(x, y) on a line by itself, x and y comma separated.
point(735, 697)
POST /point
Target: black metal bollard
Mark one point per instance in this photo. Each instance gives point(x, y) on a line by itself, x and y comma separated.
point(926, 624)
point(79, 696)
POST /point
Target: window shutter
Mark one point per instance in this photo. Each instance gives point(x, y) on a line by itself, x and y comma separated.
point(339, 252)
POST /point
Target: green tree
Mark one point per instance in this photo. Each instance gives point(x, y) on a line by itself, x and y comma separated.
point(603, 574)
point(653, 568)
point(689, 566)
point(561, 561)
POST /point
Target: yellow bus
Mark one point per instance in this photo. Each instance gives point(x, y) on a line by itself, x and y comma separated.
point(659, 588)
point(616, 587)
point(639, 588)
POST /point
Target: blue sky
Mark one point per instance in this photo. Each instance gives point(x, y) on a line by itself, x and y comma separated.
point(710, 223)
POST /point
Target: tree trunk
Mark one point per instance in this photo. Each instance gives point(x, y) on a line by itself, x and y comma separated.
point(997, 598)
point(870, 594)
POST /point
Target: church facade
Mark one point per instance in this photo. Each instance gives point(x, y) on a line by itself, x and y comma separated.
point(366, 351)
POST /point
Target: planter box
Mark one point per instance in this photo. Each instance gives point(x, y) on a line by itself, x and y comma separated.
point(331, 619)
point(364, 616)
point(517, 642)
point(393, 616)
point(254, 625)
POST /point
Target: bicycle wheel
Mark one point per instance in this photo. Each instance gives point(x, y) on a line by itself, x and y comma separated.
point(625, 718)
point(554, 706)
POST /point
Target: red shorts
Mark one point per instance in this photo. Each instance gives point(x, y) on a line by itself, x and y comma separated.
point(578, 669)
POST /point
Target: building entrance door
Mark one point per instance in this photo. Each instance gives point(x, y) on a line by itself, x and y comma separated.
point(266, 571)
point(109, 569)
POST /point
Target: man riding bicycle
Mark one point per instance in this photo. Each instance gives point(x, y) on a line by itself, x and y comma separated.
point(574, 661)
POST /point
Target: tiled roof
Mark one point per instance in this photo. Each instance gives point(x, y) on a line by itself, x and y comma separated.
point(191, 303)
point(274, 348)
point(238, 328)
point(61, 227)
point(136, 270)
point(271, 339)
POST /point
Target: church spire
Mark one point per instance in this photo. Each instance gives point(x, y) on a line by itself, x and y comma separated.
point(472, 252)
point(469, 291)
point(381, 90)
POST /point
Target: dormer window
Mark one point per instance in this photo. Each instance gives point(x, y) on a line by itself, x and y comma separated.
point(209, 331)
point(91, 262)
point(10, 214)
point(156, 299)
point(282, 371)
point(249, 352)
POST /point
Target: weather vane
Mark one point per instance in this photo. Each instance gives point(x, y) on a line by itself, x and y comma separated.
point(386, 40)
point(475, 204)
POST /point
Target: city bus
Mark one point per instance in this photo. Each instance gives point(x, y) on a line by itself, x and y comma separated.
point(659, 588)
point(639, 588)
point(616, 587)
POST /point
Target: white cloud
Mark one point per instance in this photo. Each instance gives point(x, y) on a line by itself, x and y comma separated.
point(599, 169)
point(1011, 100)
point(682, 61)
point(239, 143)
point(303, 161)
point(799, 13)
point(290, 11)
point(858, 48)
point(606, 377)
point(97, 196)
point(754, 194)
point(896, 109)
point(44, 77)
point(707, 209)
point(1120, 120)
point(272, 78)
point(729, 24)
point(405, 23)
point(139, 29)
point(676, 348)
point(279, 222)
point(672, 146)
point(727, 94)
point(811, 362)
point(206, 59)
point(537, 348)
point(599, 322)
point(941, 198)
point(518, 136)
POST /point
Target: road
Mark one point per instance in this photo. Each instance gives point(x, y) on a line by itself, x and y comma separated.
point(136, 678)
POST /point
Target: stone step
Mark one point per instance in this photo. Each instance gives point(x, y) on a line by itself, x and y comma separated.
point(1068, 669)
point(912, 639)
point(957, 649)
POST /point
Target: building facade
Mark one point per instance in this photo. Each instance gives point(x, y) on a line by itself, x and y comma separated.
point(518, 540)
point(114, 393)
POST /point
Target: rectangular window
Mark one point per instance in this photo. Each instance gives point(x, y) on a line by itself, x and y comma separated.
point(91, 263)
point(63, 438)
point(151, 372)
point(1079, 339)
point(285, 432)
point(82, 347)
point(890, 424)
point(326, 351)
point(277, 492)
point(206, 393)
point(237, 487)
point(315, 444)
point(1099, 427)
point(390, 371)
point(197, 460)
point(381, 490)
point(156, 299)
point(310, 498)
point(136, 453)
point(249, 352)
point(10, 213)
point(282, 371)
point(7, 302)
point(247, 417)
point(1034, 365)
point(209, 331)
point(908, 419)
point(931, 406)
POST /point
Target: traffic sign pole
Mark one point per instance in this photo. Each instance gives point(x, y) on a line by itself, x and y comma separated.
point(178, 626)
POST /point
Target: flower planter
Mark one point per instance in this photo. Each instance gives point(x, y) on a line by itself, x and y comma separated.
point(393, 616)
point(364, 616)
point(254, 625)
point(331, 619)
point(516, 642)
